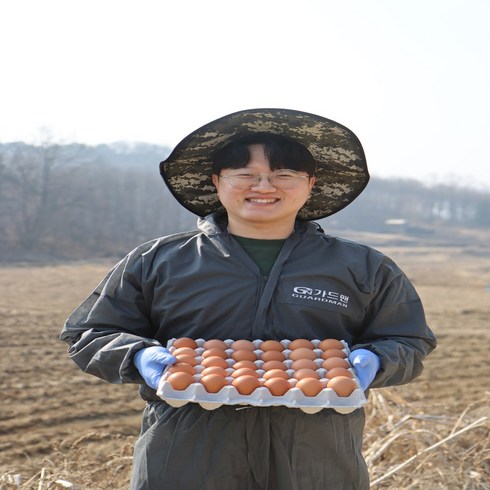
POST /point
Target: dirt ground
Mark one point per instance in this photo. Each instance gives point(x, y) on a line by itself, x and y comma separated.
point(57, 422)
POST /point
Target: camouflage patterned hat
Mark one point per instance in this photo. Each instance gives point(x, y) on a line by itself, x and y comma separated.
point(341, 170)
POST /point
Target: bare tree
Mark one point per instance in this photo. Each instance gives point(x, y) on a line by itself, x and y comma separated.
point(35, 187)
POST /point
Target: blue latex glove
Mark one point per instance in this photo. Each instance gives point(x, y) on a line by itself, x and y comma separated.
point(151, 361)
point(366, 363)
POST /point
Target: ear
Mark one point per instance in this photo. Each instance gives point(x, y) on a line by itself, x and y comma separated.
point(312, 182)
point(215, 179)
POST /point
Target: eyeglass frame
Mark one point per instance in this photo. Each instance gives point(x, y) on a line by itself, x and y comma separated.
point(258, 177)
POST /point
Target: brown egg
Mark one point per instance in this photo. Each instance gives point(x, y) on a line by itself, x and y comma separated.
point(333, 353)
point(342, 385)
point(267, 366)
point(330, 344)
point(306, 373)
point(304, 364)
point(309, 386)
point(181, 367)
point(244, 355)
point(243, 345)
point(215, 344)
point(186, 360)
point(213, 382)
point(244, 364)
point(184, 342)
point(184, 351)
point(214, 351)
point(338, 371)
point(275, 373)
point(214, 370)
point(246, 385)
point(180, 381)
point(271, 345)
point(302, 353)
point(244, 372)
point(277, 386)
point(300, 344)
point(272, 355)
point(334, 362)
point(214, 361)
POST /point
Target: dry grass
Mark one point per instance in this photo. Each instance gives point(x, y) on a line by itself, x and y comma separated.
point(423, 450)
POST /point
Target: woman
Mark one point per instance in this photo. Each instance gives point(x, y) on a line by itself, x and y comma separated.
point(256, 268)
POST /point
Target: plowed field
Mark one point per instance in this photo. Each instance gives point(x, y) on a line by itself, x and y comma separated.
point(59, 424)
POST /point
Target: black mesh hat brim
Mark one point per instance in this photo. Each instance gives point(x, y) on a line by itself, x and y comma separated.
point(341, 168)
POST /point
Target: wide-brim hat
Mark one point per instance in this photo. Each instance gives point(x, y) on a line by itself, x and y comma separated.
point(341, 169)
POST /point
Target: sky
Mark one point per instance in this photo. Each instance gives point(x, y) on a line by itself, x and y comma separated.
point(410, 77)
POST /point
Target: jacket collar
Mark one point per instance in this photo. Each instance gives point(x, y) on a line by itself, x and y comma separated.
point(217, 223)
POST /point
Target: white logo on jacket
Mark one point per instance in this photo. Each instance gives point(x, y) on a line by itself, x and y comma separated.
point(322, 295)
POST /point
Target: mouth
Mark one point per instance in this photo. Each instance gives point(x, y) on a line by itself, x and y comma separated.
point(262, 200)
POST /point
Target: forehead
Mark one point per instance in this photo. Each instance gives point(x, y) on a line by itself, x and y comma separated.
point(257, 153)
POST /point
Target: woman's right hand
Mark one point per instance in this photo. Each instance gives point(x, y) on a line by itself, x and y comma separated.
point(151, 362)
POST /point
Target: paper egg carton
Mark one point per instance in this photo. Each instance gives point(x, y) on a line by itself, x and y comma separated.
point(261, 397)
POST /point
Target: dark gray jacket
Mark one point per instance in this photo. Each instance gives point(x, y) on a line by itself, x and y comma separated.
point(202, 284)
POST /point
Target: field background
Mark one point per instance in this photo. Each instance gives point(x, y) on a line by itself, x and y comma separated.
point(61, 428)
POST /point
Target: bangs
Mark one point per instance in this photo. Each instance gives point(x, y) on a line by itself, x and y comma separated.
point(281, 153)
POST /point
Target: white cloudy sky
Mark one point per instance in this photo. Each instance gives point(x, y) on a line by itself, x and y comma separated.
point(410, 77)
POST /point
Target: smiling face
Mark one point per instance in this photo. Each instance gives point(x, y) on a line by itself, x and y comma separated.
point(262, 211)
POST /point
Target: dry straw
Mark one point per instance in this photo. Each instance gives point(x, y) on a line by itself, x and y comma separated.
point(417, 450)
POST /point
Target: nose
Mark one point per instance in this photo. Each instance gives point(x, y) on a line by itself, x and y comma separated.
point(264, 182)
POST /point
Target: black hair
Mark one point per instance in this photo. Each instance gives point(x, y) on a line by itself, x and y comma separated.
point(281, 153)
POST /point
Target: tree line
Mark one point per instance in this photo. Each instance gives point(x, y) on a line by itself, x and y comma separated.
point(76, 201)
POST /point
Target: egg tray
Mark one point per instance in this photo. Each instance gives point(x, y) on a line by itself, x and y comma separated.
point(261, 397)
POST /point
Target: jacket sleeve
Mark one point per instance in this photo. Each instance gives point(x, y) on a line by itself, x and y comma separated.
point(111, 325)
point(396, 328)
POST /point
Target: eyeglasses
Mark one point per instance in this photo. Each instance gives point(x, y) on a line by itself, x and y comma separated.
point(281, 179)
